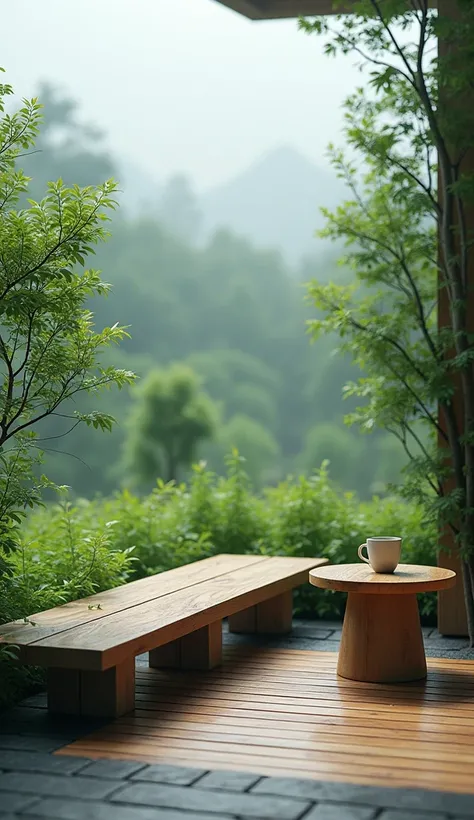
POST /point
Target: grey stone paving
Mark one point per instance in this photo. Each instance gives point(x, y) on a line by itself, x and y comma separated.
point(36, 784)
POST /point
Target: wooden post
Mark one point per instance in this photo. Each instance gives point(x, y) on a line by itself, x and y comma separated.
point(452, 618)
point(199, 650)
point(108, 694)
point(271, 617)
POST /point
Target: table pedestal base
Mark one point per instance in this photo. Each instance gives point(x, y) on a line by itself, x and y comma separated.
point(381, 639)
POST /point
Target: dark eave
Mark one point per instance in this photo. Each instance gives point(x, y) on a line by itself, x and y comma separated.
point(277, 9)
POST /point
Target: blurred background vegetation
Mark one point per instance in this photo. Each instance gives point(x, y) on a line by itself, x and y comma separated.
point(212, 314)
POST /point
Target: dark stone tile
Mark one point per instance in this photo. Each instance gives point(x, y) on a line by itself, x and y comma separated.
point(176, 775)
point(57, 808)
point(24, 761)
point(112, 769)
point(314, 632)
point(24, 743)
point(11, 803)
point(228, 781)
point(394, 814)
point(38, 701)
point(290, 787)
point(450, 644)
point(331, 811)
point(388, 798)
point(87, 788)
point(242, 805)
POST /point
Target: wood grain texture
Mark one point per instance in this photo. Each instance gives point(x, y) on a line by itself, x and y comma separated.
point(101, 644)
point(198, 650)
point(271, 617)
point(110, 693)
point(381, 639)
point(96, 607)
point(407, 579)
point(92, 694)
point(286, 712)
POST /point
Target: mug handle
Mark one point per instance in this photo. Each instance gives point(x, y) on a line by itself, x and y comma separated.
point(361, 555)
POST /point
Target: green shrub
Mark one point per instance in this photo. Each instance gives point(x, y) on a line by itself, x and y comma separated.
point(70, 551)
point(177, 524)
point(58, 560)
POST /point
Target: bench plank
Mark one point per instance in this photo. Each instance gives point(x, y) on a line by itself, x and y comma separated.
point(108, 642)
point(68, 616)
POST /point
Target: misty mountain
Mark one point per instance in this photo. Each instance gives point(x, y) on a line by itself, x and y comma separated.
point(275, 202)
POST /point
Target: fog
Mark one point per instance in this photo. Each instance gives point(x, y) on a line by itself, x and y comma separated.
point(206, 267)
point(181, 85)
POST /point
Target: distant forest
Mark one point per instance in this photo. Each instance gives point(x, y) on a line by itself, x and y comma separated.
point(234, 312)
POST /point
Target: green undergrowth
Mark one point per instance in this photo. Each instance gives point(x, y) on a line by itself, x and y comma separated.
point(70, 550)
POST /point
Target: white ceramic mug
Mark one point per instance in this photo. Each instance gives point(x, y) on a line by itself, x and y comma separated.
point(383, 553)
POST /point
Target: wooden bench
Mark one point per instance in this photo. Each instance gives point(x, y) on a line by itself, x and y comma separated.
point(89, 646)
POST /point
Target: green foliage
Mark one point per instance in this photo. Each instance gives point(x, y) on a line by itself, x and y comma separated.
point(53, 564)
point(411, 131)
point(178, 523)
point(171, 416)
point(232, 312)
point(257, 445)
point(49, 348)
point(69, 551)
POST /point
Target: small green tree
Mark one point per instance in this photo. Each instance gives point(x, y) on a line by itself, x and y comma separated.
point(412, 149)
point(256, 446)
point(48, 346)
point(170, 417)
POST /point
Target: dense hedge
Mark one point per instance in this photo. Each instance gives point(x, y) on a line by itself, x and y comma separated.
point(69, 551)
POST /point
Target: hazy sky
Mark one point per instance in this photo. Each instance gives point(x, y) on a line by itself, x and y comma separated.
point(181, 85)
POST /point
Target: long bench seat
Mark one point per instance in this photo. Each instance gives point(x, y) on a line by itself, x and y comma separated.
point(89, 646)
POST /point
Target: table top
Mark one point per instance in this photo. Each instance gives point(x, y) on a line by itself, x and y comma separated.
point(408, 579)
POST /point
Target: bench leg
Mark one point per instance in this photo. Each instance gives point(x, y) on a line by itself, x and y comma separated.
point(272, 617)
point(201, 649)
point(106, 694)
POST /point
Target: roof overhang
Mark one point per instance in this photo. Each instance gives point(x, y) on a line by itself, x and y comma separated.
point(278, 9)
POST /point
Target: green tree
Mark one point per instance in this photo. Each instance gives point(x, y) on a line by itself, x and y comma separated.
point(170, 417)
point(48, 345)
point(254, 443)
point(412, 148)
point(333, 443)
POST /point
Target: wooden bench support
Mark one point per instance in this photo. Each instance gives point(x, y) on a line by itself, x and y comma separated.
point(272, 617)
point(92, 694)
point(198, 650)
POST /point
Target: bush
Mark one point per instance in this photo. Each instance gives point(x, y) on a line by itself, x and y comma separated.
point(58, 560)
point(177, 524)
point(70, 551)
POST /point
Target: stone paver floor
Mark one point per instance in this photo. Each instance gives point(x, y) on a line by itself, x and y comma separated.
point(34, 783)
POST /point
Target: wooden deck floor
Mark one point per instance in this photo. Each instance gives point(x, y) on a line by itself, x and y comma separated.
point(285, 712)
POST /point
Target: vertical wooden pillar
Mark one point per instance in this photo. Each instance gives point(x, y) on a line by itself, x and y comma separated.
point(272, 617)
point(108, 694)
point(199, 650)
point(452, 618)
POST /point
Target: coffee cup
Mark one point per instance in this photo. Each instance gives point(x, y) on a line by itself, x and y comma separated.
point(383, 552)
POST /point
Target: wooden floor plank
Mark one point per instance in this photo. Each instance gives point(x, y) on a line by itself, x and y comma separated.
point(285, 712)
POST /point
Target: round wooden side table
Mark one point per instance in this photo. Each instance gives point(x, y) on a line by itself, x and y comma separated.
point(381, 636)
